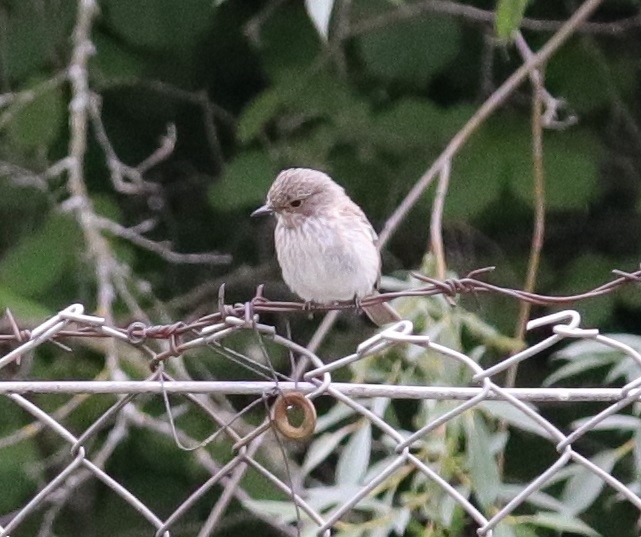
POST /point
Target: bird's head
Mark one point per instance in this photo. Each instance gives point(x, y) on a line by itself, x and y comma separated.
point(300, 192)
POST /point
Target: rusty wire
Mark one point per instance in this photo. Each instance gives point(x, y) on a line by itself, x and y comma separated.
point(138, 332)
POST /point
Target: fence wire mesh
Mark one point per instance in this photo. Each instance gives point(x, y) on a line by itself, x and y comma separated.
point(383, 452)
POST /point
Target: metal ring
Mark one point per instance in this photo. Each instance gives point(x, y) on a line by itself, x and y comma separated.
point(280, 415)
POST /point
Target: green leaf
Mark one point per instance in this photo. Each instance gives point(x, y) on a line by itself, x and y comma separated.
point(411, 51)
point(38, 123)
point(354, 459)
point(282, 511)
point(560, 523)
point(289, 43)
point(499, 155)
point(320, 94)
point(538, 499)
point(525, 531)
point(571, 161)
point(504, 530)
point(509, 14)
point(589, 82)
point(322, 447)
point(618, 422)
point(413, 123)
point(160, 24)
point(257, 113)
point(114, 60)
point(515, 417)
point(484, 471)
point(587, 272)
point(479, 172)
point(578, 367)
point(22, 308)
point(311, 149)
point(244, 183)
point(15, 458)
point(34, 35)
point(584, 486)
point(41, 259)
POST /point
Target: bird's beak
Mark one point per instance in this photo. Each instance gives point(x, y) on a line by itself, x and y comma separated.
point(262, 211)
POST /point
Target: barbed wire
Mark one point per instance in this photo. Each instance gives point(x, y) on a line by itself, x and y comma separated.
point(278, 393)
point(138, 332)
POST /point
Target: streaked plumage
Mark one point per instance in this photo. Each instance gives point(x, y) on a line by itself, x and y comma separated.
point(325, 245)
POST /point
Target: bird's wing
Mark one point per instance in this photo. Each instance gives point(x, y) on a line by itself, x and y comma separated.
point(351, 209)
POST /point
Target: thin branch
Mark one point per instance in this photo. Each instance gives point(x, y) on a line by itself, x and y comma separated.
point(97, 246)
point(165, 148)
point(537, 234)
point(78, 120)
point(412, 11)
point(164, 88)
point(253, 27)
point(436, 223)
point(552, 118)
point(162, 249)
point(128, 179)
point(22, 177)
point(17, 101)
point(211, 131)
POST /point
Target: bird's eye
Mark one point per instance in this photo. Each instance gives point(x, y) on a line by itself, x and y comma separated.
point(296, 203)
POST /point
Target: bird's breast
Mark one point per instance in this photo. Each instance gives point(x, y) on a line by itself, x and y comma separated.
point(325, 261)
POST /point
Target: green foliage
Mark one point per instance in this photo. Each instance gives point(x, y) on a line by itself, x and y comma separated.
point(114, 60)
point(22, 307)
point(401, 505)
point(15, 457)
point(587, 272)
point(289, 44)
point(42, 259)
point(596, 84)
point(37, 124)
point(33, 32)
point(13, 462)
point(499, 156)
point(509, 14)
point(413, 51)
point(244, 183)
point(168, 26)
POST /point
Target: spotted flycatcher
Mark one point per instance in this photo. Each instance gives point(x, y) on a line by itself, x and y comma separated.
point(326, 247)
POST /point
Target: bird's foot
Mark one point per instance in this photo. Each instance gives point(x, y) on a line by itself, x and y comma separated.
point(309, 306)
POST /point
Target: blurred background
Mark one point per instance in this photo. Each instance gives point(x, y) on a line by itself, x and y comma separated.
point(224, 94)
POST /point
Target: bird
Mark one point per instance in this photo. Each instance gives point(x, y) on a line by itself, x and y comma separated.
point(325, 245)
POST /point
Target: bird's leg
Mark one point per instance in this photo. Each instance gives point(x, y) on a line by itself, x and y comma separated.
point(309, 306)
point(358, 303)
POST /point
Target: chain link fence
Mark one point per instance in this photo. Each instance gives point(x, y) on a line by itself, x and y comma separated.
point(381, 452)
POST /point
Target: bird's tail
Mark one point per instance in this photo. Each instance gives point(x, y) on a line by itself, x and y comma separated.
point(382, 313)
